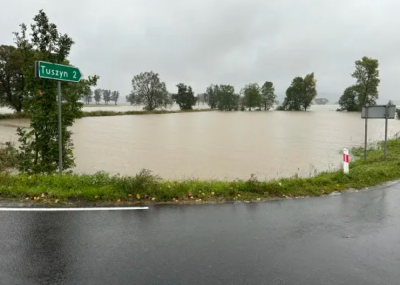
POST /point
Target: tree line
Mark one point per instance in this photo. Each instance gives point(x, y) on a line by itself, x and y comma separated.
point(149, 91)
point(100, 94)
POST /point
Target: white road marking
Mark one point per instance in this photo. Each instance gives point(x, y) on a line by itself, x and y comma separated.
point(71, 209)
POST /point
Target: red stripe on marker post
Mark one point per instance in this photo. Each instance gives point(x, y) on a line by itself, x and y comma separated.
point(346, 160)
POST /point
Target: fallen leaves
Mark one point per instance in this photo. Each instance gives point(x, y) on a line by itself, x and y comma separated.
point(138, 196)
point(129, 195)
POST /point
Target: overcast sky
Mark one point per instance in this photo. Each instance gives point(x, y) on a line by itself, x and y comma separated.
point(199, 42)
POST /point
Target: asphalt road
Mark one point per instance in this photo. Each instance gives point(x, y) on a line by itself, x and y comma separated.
point(352, 238)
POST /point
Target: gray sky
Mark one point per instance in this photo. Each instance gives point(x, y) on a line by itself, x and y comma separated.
point(199, 42)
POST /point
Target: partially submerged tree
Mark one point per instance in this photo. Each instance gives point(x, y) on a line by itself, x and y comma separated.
point(310, 91)
point(321, 101)
point(106, 96)
point(38, 150)
point(349, 100)
point(300, 94)
point(211, 96)
point(115, 96)
point(294, 93)
point(88, 97)
point(228, 100)
point(365, 91)
point(130, 98)
point(185, 97)
point(267, 95)
point(251, 96)
point(367, 76)
point(149, 91)
point(98, 95)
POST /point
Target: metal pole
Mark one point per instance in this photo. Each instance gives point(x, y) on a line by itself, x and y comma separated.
point(386, 129)
point(366, 130)
point(59, 130)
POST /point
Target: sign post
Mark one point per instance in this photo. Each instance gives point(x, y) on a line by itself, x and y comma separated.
point(386, 127)
point(48, 70)
point(377, 112)
point(366, 136)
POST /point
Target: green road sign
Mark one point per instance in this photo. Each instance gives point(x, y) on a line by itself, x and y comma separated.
point(57, 71)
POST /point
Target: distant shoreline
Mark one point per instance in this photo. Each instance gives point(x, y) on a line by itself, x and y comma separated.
point(102, 113)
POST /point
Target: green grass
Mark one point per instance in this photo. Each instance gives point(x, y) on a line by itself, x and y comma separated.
point(150, 188)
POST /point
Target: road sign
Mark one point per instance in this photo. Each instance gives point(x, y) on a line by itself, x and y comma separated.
point(379, 112)
point(55, 71)
point(59, 72)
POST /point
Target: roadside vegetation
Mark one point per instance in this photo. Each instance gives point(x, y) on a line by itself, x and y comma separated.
point(146, 187)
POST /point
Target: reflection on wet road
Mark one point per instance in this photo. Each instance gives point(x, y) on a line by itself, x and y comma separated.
point(346, 239)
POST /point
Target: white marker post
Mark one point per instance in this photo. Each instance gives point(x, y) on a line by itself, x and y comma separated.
point(346, 161)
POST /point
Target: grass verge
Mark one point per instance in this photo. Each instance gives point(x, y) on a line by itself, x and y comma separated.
point(148, 188)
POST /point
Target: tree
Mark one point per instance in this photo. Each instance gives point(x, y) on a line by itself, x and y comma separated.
point(321, 101)
point(87, 97)
point(310, 91)
point(227, 99)
point(300, 93)
point(98, 94)
point(367, 75)
point(185, 97)
point(149, 91)
point(130, 99)
point(115, 96)
point(201, 98)
point(292, 100)
point(251, 96)
point(106, 96)
point(267, 95)
point(349, 100)
point(211, 96)
point(12, 79)
point(38, 148)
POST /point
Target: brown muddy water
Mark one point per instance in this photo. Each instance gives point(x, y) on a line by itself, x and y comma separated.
point(217, 145)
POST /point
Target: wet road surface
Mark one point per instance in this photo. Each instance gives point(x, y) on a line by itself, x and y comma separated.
point(352, 238)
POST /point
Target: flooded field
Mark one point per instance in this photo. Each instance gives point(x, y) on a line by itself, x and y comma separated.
point(216, 145)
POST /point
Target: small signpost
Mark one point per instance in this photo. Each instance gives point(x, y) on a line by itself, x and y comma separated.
point(377, 112)
point(48, 70)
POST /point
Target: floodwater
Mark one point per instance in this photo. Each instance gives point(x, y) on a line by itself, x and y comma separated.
point(217, 145)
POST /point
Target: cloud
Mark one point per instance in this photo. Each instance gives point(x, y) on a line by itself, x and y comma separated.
point(199, 42)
